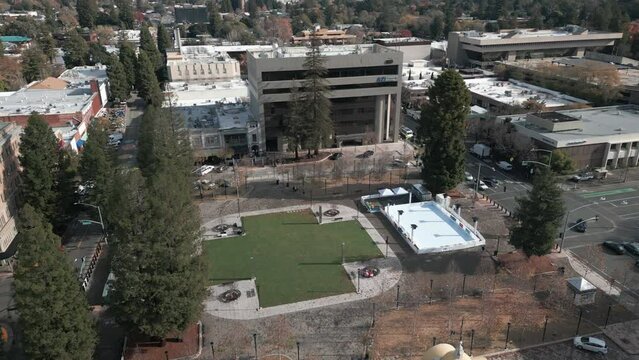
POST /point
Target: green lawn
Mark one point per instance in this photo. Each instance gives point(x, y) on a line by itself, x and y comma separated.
point(294, 258)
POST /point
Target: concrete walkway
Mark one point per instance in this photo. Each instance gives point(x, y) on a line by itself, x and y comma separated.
point(245, 308)
point(591, 275)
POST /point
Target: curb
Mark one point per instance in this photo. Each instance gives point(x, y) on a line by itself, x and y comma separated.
point(510, 351)
point(500, 207)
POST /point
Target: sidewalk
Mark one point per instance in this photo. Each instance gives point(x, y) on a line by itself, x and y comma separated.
point(587, 273)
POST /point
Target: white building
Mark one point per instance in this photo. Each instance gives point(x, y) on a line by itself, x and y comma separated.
point(413, 48)
point(594, 137)
point(199, 63)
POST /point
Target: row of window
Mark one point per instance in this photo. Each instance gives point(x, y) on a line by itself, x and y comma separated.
point(332, 73)
point(337, 87)
point(195, 69)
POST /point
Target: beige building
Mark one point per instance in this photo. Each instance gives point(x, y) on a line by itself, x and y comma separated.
point(9, 183)
point(326, 36)
point(201, 64)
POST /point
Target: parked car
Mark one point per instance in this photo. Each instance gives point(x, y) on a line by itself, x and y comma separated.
point(582, 177)
point(468, 176)
point(336, 156)
point(406, 132)
point(591, 344)
point(482, 185)
point(204, 169)
point(492, 180)
point(221, 168)
point(504, 165)
point(614, 246)
point(204, 184)
point(632, 247)
point(581, 225)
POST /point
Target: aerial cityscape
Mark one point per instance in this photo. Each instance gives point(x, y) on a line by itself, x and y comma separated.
point(319, 179)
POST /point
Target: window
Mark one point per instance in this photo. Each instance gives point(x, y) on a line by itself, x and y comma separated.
point(613, 147)
point(254, 138)
point(212, 140)
point(624, 146)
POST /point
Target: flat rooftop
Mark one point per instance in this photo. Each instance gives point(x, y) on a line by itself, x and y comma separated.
point(326, 50)
point(210, 53)
point(438, 230)
point(414, 69)
point(26, 101)
point(566, 31)
point(220, 116)
point(598, 125)
point(402, 40)
point(82, 74)
point(627, 76)
point(515, 93)
point(203, 93)
point(186, 50)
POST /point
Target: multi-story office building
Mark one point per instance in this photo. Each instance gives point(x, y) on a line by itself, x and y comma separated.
point(201, 63)
point(365, 83)
point(9, 183)
point(483, 49)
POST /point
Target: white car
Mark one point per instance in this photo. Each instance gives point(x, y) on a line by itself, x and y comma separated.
point(205, 169)
point(482, 185)
point(505, 165)
point(591, 344)
point(468, 177)
point(406, 132)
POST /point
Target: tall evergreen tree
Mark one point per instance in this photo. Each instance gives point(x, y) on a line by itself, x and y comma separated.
point(1, 49)
point(125, 13)
point(54, 315)
point(118, 82)
point(449, 14)
point(295, 128)
point(47, 44)
point(129, 62)
point(164, 40)
point(96, 164)
point(33, 64)
point(252, 9)
point(226, 7)
point(39, 161)
point(315, 96)
point(87, 13)
point(98, 55)
point(160, 281)
point(147, 82)
point(147, 45)
point(76, 51)
point(442, 129)
point(215, 22)
point(539, 215)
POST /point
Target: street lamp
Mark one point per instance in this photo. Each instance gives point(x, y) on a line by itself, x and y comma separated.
point(99, 213)
point(563, 234)
point(399, 214)
point(477, 180)
point(547, 151)
point(412, 231)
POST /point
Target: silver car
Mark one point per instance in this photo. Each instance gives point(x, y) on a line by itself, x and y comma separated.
point(591, 344)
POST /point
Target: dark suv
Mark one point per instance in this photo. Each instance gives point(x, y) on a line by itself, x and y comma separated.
point(581, 226)
point(614, 246)
point(632, 248)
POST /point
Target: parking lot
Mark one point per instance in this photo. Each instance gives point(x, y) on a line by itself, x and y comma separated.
point(565, 350)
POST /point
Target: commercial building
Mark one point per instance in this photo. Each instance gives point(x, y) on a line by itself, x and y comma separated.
point(325, 36)
point(201, 63)
point(15, 44)
point(364, 81)
point(499, 96)
point(191, 14)
point(413, 48)
point(483, 49)
point(9, 184)
point(593, 137)
point(82, 76)
point(68, 111)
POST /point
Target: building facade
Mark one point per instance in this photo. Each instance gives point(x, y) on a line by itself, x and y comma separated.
point(191, 14)
point(412, 47)
point(9, 182)
point(203, 67)
point(594, 137)
point(325, 36)
point(364, 81)
point(467, 48)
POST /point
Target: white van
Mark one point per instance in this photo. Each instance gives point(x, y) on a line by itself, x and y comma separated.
point(406, 132)
point(505, 165)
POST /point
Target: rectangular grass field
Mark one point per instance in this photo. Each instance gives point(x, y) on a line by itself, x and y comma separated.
point(292, 257)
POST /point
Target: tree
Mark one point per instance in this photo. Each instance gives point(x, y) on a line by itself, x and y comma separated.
point(96, 164)
point(449, 14)
point(1, 49)
point(118, 82)
point(437, 30)
point(160, 276)
point(295, 129)
point(442, 130)
point(87, 12)
point(76, 51)
point(33, 64)
point(39, 162)
point(147, 82)
point(315, 96)
point(147, 45)
point(98, 55)
point(47, 44)
point(560, 163)
point(11, 78)
point(125, 13)
point(129, 61)
point(252, 9)
point(54, 315)
point(215, 22)
point(164, 40)
point(539, 215)
point(226, 6)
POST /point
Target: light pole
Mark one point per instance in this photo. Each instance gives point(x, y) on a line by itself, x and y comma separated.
point(563, 233)
point(547, 151)
point(412, 231)
point(477, 181)
point(99, 213)
point(399, 214)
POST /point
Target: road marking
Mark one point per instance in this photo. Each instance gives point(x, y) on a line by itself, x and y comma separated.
point(588, 195)
point(611, 202)
point(629, 215)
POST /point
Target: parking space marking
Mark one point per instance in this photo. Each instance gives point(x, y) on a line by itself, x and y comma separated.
point(621, 201)
point(630, 216)
point(591, 194)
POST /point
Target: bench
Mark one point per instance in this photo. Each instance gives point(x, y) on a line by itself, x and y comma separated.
point(337, 219)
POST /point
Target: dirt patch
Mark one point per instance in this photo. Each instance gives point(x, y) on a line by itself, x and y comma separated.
point(176, 346)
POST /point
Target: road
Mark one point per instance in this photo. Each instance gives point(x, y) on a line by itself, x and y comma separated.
point(564, 350)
